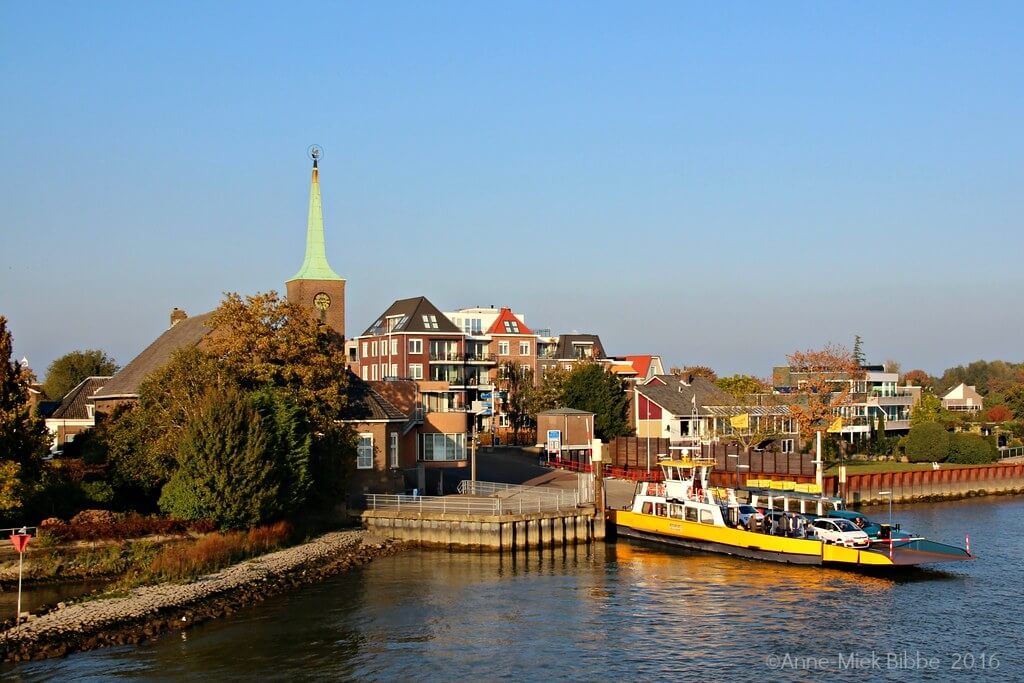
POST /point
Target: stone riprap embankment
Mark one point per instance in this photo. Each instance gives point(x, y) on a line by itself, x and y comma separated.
point(149, 610)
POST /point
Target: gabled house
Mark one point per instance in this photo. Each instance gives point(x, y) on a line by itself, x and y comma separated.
point(691, 409)
point(963, 398)
point(76, 412)
point(384, 451)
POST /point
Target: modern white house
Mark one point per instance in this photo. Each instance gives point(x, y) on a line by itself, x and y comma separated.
point(963, 398)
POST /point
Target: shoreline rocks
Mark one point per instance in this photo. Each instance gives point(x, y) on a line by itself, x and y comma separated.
point(146, 612)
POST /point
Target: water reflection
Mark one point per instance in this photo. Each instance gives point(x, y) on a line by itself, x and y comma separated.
point(620, 610)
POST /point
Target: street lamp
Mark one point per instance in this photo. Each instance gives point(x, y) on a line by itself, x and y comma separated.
point(888, 493)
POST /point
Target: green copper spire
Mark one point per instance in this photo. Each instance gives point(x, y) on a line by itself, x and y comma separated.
point(315, 266)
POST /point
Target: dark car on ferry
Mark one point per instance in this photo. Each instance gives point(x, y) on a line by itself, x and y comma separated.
point(872, 529)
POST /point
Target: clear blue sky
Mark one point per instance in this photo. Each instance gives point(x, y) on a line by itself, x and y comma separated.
point(717, 183)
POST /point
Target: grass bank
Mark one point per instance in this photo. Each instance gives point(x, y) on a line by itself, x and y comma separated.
point(889, 466)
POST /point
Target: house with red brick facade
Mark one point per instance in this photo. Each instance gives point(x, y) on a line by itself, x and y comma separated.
point(413, 340)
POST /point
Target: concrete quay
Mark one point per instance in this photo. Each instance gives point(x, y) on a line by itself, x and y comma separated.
point(505, 532)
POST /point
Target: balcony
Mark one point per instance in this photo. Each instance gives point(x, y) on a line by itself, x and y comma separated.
point(453, 357)
point(484, 358)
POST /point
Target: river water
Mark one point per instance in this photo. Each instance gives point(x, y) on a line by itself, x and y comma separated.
point(618, 612)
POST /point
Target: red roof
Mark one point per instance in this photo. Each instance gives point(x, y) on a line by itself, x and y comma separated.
point(508, 323)
point(641, 364)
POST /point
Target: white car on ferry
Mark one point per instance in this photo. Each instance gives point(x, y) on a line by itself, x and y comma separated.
point(840, 532)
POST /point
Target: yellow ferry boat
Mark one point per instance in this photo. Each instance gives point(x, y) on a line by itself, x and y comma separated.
point(683, 510)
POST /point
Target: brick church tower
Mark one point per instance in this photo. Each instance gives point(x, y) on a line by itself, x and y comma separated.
point(316, 286)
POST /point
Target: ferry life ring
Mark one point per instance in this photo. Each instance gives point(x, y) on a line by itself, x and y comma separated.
point(652, 489)
point(689, 493)
point(661, 490)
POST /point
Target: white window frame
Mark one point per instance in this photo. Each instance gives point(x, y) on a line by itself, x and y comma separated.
point(524, 348)
point(415, 346)
point(394, 370)
point(393, 449)
point(373, 373)
point(394, 346)
point(364, 370)
point(503, 348)
point(786, 445)
point(415, 370)
point(373, 348)
point(364, 452)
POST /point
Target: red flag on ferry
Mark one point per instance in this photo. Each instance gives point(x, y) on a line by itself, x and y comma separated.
point(20, 541)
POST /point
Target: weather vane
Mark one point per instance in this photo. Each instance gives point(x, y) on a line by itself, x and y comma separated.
point(316, 153)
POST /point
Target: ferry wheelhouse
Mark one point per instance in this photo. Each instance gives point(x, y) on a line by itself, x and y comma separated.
point(683, 510)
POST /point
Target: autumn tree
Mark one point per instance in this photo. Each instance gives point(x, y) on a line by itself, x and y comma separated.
point(696, 371)
point(265, 340)
point(918, 378)
point(743, 387)
point(891, 365)
point(823, 385)
point(68, 371)
point(999, 413)
point(985, 376)
point(1014, 399)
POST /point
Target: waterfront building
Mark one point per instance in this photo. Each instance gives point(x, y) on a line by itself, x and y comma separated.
point(963, 398)
point(872, 393)
point(691, 409)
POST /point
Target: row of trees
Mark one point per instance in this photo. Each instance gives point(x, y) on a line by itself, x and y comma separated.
point(241, 430)
point(588, 386)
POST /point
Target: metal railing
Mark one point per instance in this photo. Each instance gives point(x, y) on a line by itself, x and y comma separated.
point(482, 498)
point(467, 505)
point(554, 498)
point(460, 505)
point(1011, 452)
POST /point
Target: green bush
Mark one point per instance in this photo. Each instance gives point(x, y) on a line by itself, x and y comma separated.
point(927, 442)
point(971, 449)
point(242, 461)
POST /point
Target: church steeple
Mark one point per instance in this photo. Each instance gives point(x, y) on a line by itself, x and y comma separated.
point(316, 285)
point(315, 266)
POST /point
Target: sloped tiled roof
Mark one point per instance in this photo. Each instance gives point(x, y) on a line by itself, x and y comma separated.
point(412, 315)
point(364, 403)
point(508, 323)
point(641, 364)
point(676, 396)
point(74, 405)
point(565, 343)
point(188, 332)
point(401, 393)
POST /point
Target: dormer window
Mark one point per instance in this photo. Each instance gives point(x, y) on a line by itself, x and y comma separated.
point(430, 322)
point(512, 327)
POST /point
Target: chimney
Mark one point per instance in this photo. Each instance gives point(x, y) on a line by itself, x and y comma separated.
point(177, 315)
